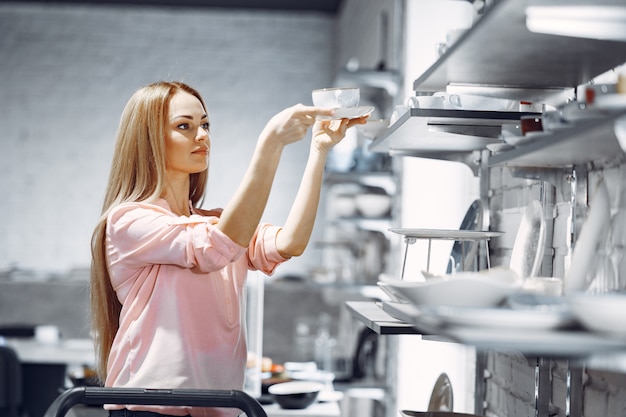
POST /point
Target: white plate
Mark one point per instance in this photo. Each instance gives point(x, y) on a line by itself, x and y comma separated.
point(349, 113)
point(447, 234)
point(591, 234)
point(529, 301)
point(604, 313)
point(392, 293)
point(500, 317)
point(530, 242)
point(464, 289)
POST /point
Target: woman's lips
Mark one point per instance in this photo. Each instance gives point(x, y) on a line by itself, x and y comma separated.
point(202, 151)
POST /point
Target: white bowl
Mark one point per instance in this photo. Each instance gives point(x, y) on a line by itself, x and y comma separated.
point(463, 289)
point(603, 313)
point(373, 205)
point(334, 98)
point(344, 205)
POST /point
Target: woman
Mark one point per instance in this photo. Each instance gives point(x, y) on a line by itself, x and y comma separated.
point(167, 277)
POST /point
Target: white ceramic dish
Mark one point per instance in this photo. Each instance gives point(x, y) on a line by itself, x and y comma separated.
point(453, 234)
point(604, 313)
point(476, 102)
point(344, 205)
point(411, 413)
point(336, 97)
point(464, 289)
point(392, 293)
point(349, 113)
point(530, 242)
point(545, 302)
point(535, 319)
point(591, 233)
point(373, 205)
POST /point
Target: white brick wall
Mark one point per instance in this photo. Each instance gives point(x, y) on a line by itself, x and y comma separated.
point(68, 70)
point(510, 386)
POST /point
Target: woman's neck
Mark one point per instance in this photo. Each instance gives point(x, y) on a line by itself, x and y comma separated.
point(177, 196)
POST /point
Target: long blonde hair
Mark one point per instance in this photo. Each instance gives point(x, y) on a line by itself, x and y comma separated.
point(137, 174)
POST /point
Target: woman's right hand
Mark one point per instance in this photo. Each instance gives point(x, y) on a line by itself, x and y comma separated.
point(291, 124)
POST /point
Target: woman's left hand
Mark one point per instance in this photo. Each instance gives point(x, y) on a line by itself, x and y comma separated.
point(328, 133)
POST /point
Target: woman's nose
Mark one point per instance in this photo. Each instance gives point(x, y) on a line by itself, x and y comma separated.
point(202, 134)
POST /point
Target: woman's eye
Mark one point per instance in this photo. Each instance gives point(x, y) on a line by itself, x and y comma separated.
point(205, 126)
point(183, 126)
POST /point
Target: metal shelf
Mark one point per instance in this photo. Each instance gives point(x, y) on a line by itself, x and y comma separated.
point(399, 318)
point(502, 58)
point(434, 131)
point(588, 141)
point(376, 319)
point(499, 57)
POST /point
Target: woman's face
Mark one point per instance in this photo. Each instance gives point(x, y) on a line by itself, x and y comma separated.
point(187, 140)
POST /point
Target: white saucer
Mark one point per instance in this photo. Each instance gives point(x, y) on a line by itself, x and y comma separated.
point(349, 113)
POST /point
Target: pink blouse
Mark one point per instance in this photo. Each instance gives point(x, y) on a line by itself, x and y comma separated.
point(180, 281)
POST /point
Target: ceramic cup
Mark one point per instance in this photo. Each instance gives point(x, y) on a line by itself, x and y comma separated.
point(476, 102)
point(335, 98)
point(430, 102)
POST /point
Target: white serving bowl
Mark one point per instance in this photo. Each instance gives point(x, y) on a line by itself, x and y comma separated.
point(373, 205)
point(344, 205)
point(463, 289)
point(334, 98)
point(603, 313)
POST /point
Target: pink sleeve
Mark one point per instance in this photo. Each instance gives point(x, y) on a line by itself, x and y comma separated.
point(140, 234)
point(262, 252)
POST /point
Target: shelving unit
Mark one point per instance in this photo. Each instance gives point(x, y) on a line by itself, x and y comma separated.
point(398, 318)
point(444, 133)
point(499, 57)
point(587, 141)
point(444, 130)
